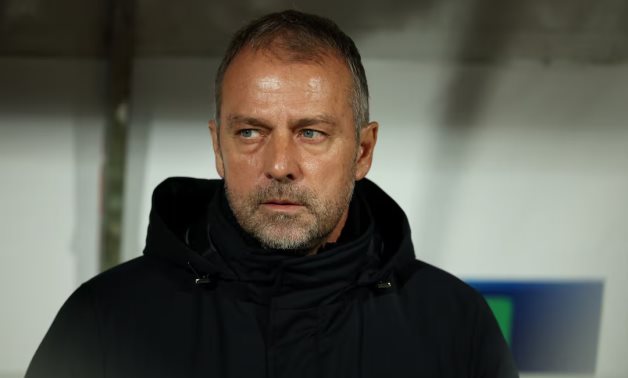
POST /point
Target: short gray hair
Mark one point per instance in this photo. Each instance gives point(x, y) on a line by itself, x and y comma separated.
point(305, 37)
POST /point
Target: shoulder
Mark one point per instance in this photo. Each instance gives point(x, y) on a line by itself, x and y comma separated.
point(444, 293)
point(425, 277)
point(130, 272)
point(136, 278)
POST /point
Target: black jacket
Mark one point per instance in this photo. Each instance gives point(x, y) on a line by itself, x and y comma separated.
point(205, 301)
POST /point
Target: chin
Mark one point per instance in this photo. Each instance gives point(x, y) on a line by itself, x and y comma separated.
point(297, 245)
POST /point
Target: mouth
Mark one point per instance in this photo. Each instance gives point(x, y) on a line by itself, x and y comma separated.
point(282, 205)
point(281, 202)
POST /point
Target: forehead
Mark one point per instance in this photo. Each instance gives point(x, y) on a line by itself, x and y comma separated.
point(276, 54)
point(275, 72)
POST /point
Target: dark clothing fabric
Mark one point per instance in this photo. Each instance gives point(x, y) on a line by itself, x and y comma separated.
point(206, 301)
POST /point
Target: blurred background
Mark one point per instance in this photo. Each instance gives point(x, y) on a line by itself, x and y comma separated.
point(503, 136)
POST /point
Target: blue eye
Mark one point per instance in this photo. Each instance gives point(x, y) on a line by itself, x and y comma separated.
point(248, 133)
point(310, 133)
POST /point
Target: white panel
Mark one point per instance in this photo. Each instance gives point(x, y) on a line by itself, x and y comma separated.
point(49, 157)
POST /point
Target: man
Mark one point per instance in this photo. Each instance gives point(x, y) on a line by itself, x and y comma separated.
point(293, 265)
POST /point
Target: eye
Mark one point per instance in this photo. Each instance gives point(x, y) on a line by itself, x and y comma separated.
point(311, 134)
point(248, 133)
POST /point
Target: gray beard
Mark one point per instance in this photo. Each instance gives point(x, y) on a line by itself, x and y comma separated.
point(294, 234)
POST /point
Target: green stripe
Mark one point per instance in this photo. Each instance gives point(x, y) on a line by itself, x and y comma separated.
point(502, 307)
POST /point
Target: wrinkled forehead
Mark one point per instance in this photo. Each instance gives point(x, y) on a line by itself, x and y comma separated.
point(266, 68)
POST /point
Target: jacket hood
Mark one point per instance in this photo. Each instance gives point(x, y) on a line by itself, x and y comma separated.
point(184, 208)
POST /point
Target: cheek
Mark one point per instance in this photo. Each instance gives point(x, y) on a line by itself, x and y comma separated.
point(240, 169)
point(235, 159)
point(332, 169)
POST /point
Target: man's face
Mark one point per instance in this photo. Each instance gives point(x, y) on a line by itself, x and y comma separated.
point(287, 148)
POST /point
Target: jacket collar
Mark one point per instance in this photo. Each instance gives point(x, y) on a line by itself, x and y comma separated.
point(180, 205)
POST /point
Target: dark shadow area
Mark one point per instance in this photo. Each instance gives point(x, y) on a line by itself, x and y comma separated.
point(209, 26)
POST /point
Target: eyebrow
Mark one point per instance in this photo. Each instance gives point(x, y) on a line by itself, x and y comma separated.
point(234, 119)
point(301, 122)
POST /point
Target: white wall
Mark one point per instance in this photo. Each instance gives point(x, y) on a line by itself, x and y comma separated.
point(534, 187)
point(50, 138)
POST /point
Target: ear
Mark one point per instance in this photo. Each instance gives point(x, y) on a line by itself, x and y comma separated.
point(368, 139)
point(220, 165)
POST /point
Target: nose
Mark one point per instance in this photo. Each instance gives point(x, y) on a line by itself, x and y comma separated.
point(281, 158)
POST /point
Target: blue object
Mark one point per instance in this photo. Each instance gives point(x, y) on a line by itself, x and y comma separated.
point(555, 324)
